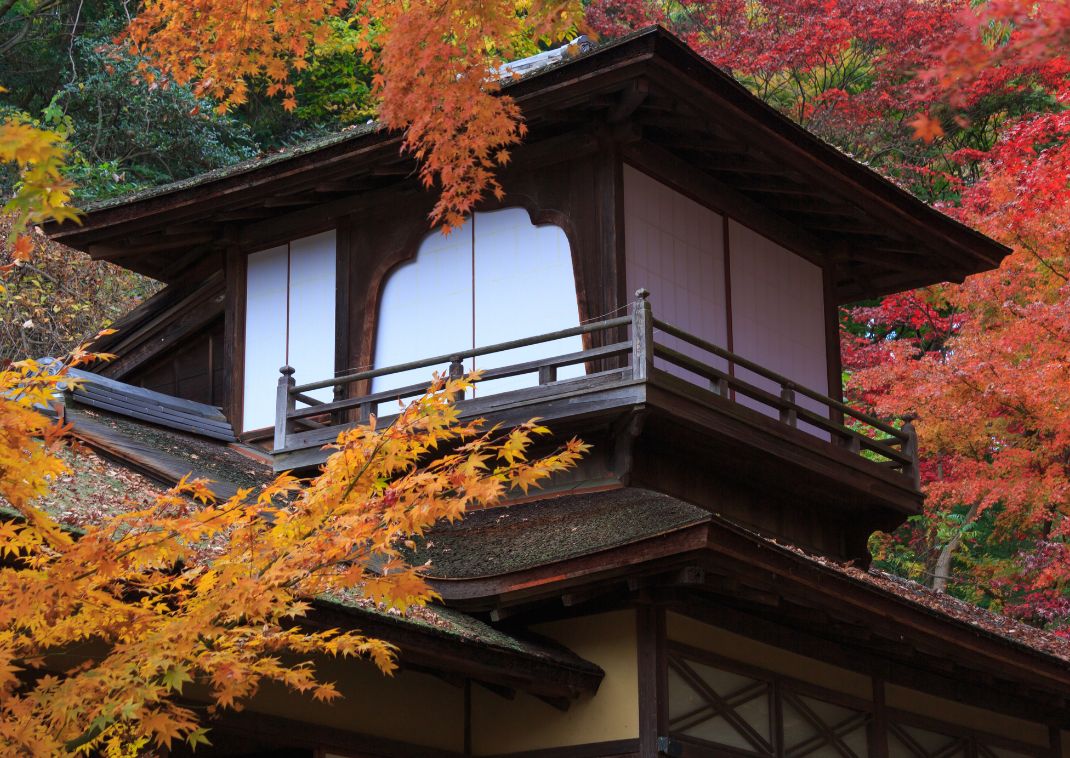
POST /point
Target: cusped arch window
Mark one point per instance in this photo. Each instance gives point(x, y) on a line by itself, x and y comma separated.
point(497, 278)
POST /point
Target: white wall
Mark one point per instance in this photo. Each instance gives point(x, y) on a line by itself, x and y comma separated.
point(778, 316)
point(425, 308)
point(674, 247)
point(495, 279)
point(524, 286)
point(289, 320)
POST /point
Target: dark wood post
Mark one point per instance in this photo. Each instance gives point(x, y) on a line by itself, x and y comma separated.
point(547, 374)
point(339, 417)
point(456, 372)
point(642, 336)
point(910, 449)
point(788, 414)
point(284, 405)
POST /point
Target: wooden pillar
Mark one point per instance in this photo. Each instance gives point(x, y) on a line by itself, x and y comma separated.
point(832, 339)
point(878, 729)
point(653, 679)
point(234, 335)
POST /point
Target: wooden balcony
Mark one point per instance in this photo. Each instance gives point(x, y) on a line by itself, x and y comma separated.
point(630, 367)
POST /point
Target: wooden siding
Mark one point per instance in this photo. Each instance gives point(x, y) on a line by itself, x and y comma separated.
point(192, 369)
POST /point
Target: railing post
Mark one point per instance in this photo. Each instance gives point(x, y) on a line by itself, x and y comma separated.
point(910, 449)
point(719, 386)
point(285, 403)
point(338, 417)
point(788, 415)
point(456, 371)
point(642, 336)
point(547, 374)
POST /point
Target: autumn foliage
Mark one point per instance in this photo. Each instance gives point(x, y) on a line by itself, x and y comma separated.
point(433, 66)
point(967, 105)
point(101, 631)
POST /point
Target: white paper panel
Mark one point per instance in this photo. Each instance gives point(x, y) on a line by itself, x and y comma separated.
point(497, 280)
point(777, 315)
point(426, 308)
point(312, 314)
point(674, 247)
point(524, 287)
point(265, 335)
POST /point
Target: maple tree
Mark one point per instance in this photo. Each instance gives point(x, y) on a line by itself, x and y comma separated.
point(966, 104)
point(189, 589)
point(984, 362)
point(432, 65)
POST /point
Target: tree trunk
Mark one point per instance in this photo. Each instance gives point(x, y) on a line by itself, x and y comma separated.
point(942, 570)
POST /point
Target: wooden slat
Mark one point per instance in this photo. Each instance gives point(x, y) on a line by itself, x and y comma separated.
point(739, 360)
point(775, 402)
point(462, 354)
point(106, 395)
point(172, 422)
point(190, 406)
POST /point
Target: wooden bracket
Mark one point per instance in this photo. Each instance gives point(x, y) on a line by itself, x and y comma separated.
point(623, 434)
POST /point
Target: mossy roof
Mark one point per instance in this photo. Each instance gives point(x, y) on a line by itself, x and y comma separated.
point(168, 453)
point(449, 623)
point(99, 486)
point(501, 540)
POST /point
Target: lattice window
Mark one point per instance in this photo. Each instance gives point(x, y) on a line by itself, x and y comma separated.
point(720, 707)
point(813, 727)
point(913, 742)
point(753, 714)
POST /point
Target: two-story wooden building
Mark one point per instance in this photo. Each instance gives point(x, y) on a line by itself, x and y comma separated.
point(661, 279)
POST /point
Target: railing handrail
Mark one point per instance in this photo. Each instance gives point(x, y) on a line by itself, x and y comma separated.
point(461, 355)
point(772, 376)
point(643, 349)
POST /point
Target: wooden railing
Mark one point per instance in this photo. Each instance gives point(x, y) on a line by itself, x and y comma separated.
point(885, 444)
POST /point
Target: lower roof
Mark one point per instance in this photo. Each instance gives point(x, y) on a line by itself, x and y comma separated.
point(579, 547)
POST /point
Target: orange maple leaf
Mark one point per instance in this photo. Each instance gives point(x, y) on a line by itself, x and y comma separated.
point(925, 127)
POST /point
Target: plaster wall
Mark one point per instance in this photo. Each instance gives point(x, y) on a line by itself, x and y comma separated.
point(612, 713)
point(778, 318)
point(408, 707)
point(765, 303)
point(738, 648)
point(289, 320)
point(981, 719)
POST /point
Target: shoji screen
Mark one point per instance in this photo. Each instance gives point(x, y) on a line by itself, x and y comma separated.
point(675, 248)
point(524, 286)
point(495, 279)
point(289, 320)
point(425, 308)
point(777, 313)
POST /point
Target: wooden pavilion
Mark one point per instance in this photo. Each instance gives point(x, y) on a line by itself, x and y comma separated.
point(661, 279)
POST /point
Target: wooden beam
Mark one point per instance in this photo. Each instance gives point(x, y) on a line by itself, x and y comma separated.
point(628, 101)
